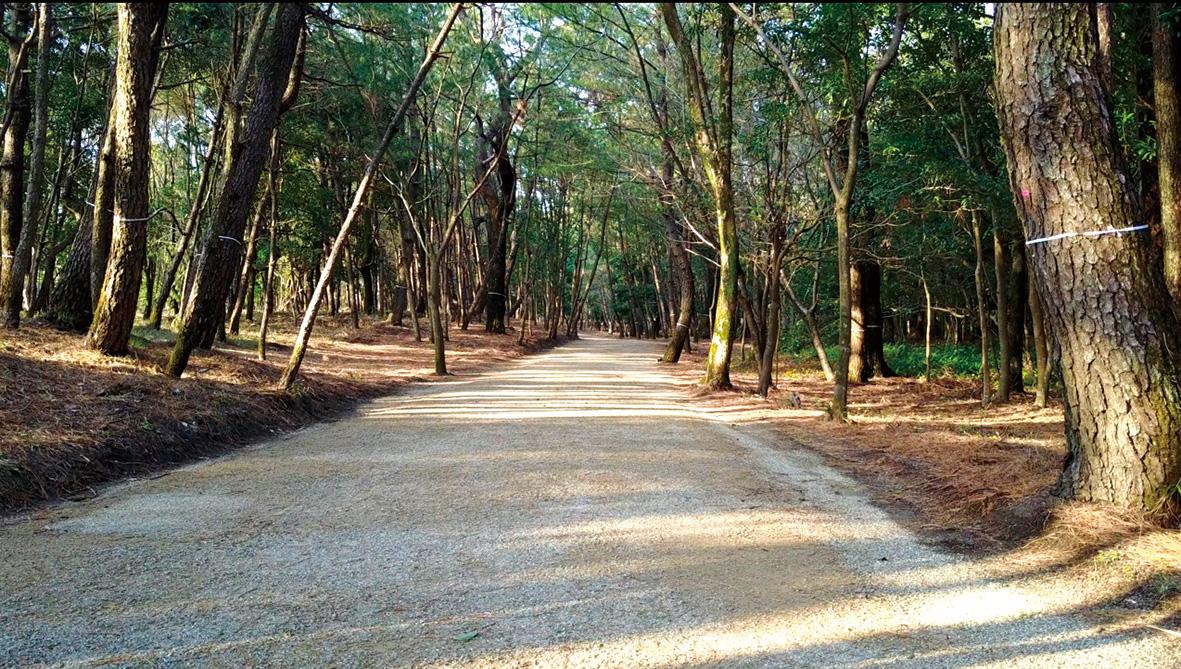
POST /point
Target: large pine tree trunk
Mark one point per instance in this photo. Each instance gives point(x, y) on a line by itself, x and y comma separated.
point(714, 139)
point(221, 249)
point(140, 28)
point(1104, 296)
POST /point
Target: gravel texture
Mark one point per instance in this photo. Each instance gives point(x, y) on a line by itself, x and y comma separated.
point(573, 509)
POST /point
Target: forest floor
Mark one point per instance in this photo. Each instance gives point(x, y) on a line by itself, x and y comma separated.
point(975, 480)
point(73, 419)
point(576, 508)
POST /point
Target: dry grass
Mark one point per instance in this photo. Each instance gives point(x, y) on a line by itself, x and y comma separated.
point(71, 419)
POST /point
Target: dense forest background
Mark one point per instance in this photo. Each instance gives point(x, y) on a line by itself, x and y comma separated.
point(886, 189)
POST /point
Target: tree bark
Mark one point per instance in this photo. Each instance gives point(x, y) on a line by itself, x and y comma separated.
point(205, 310)
point(713, 138)
point(140, 29)
point(33, 194)
point(12, 165)
point(1166, 69)
point(1003, 332)
point(1104, 295)
point(982, 310)
point(362, 192)
point(1041, 347)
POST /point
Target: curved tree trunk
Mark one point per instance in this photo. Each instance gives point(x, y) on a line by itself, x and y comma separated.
point(1104, 296)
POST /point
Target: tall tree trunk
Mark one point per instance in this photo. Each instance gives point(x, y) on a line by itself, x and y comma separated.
point(774, 304)
point(713, 137)
point(1003, 332)
point(33, 194)
point(982, 310)
point(247, 270)
point(102, 219)
point(869, 306)
point(362, 192)
point(927, 330)
point(205, 310)
point(192, 219)
point(12, 164)
point(1104, 295)
point(857, 362)
point(141, 26)
point(268, 289)
point(1018, 307)
point(1166, 69)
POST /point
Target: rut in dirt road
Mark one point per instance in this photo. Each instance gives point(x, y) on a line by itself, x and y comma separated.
point(574, 509)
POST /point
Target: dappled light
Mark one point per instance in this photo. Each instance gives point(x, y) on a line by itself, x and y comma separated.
point(585, 335)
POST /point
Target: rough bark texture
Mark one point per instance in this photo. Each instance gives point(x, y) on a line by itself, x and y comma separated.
point(22, 256)
point(1041, 346)
point(140, 27)
point(222, 246)
point(12, 166)
point(1103, 296)
point(1166, 68)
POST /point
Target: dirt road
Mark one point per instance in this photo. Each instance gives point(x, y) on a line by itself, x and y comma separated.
point(573, 509)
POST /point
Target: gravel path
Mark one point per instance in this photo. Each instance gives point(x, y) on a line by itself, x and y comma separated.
point(570, 510)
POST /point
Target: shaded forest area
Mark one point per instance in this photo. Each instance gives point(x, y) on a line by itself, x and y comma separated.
point(983, 199)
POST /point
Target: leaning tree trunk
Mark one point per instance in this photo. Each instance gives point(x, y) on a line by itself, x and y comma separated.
point(1103, 293)
point(192, 219)
point(205, 309)
point(684, 270)
point(359, 198)
point(140, 27)
point(713, 138)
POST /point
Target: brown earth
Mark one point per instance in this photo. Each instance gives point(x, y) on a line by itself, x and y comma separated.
point(973, 479)
point(72, 419)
